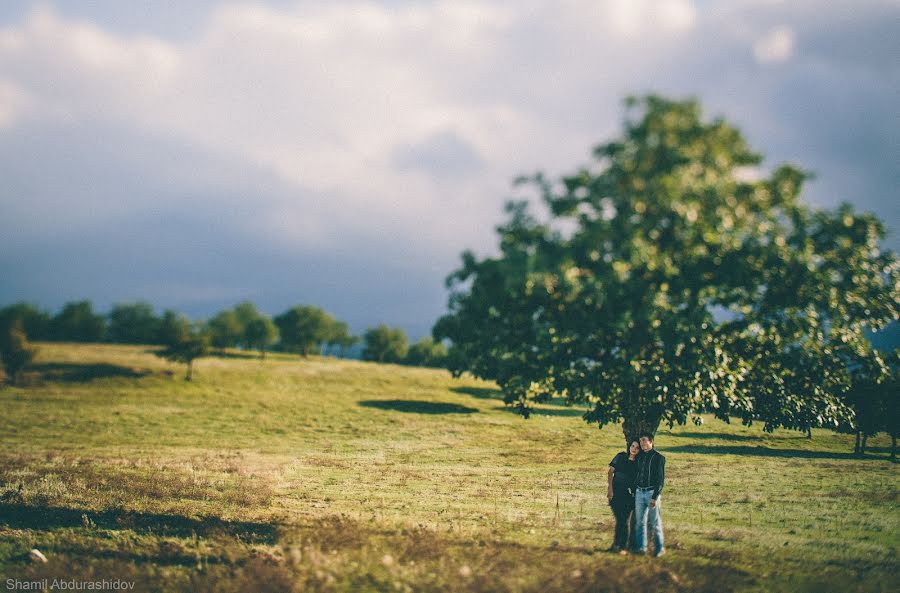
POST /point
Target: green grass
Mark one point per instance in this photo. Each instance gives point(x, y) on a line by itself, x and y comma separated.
point(332, 475)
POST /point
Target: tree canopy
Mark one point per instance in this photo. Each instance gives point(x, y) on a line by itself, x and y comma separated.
point(304, 328)
point(133, 323)
point(385, 344)
point(673, 277)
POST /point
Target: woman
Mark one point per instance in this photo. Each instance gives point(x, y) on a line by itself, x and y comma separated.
point(620, 495)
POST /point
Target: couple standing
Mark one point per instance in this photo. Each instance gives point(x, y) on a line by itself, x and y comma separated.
point(635, 480)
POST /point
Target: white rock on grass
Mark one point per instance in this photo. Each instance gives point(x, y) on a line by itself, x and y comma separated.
point(36, 556)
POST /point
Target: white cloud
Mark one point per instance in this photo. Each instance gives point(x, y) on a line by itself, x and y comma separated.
point(776, 46)
point(13, 103)
point(325, 96)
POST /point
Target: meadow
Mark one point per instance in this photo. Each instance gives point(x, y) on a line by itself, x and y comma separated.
point(322, 474)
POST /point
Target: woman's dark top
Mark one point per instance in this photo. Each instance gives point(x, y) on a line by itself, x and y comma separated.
point(625, 472)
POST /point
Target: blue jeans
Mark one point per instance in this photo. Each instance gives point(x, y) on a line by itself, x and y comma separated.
point(642, 508)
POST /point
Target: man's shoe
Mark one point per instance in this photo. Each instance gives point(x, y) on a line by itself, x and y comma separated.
point(614, 549)
point(661, 552)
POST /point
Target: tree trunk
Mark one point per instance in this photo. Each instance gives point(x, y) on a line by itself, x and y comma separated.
point(856, 446)
point(863, 449)
point(809, 433)
point(263, 351)
point(633, 428)
point(893, 447)
point(190, 371)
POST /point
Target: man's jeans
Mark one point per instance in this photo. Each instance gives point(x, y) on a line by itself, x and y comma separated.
point(641, 509)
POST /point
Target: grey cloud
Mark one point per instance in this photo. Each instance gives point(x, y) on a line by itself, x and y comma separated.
point(442, 154)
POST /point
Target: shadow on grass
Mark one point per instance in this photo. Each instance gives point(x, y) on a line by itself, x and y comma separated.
point(83, 373)
point(760, 451)
point(21, 516)
point(245, 355)
point(417, 407)
point(712, 436)
point(568, 412)
point(479, 392)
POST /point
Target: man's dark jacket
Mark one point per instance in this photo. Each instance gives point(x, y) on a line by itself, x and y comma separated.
point(651, 472)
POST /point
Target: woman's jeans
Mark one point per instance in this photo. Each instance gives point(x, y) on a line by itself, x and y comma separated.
point(642, 509)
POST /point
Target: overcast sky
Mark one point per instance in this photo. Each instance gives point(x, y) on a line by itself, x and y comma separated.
point(196, 154)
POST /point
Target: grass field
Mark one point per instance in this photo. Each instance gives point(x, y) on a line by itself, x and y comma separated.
point(334, 475)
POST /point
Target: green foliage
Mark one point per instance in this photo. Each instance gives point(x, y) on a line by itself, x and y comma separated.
point(225, 330)
point(15, 351)
point(133, 323)
point(77, 322)
point(427, 353)
point(681, 285)
point(304, 329)
point(339, 337)
point(385, 344)
point(874, 396)
point(186, 348)
point(35, 323)
point(173, 327)
point(260, 333)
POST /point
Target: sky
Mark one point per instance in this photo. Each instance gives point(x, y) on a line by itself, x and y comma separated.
point(344, 153)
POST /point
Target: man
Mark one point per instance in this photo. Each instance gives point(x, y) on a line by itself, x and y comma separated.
point(651, 476)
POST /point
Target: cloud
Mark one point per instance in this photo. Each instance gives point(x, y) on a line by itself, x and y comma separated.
point(304, 130)
point(776, 46)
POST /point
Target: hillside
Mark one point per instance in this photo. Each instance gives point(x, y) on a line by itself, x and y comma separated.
point(338, 475)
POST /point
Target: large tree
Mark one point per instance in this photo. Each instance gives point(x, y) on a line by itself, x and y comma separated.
point(672, 277)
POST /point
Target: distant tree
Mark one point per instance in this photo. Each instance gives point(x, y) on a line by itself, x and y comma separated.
point(173, 327)
point(666, 283)
point(15, 351)
point(427, 353)
point(245, 312)
point(385, 344)
point(35, 323)
point(133, 323)
point(304, 329)
point(260, 333)
point(77, 322)
point(874, 397)
point(225, 330)
point(186, 348)
point(339, 337)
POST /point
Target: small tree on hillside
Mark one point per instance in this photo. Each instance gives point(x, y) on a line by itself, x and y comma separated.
point(427, 353)
point(173, 327)
point(132, 323)
point(15, 351)
point(874, 397)
point(77, 322)
point(225, 330)
point(304, 329)
point(186, 349)
point(260, 333)
point(339, 337)
point(35, 322)
point(385, 344)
